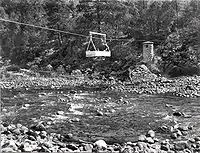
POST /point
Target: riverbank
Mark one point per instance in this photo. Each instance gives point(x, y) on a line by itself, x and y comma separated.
point(186, 86)
point(180, 87)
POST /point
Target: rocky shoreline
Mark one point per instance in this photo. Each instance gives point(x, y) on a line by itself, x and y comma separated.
point(181, 87)
point(18, 138)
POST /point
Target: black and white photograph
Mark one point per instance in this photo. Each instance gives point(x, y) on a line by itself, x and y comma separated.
point(100, 76)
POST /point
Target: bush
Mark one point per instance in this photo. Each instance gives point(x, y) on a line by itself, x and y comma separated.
point(184, 71)
point(13, 68)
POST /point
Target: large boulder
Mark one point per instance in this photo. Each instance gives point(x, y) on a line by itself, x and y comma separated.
point(76, 73)
point(61, 69)
point(49, 67)
point(141, 74)
point(100, 145)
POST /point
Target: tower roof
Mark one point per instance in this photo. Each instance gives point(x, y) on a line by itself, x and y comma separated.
point(148, 42)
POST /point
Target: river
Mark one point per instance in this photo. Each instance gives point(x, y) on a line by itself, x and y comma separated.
point(94, 114)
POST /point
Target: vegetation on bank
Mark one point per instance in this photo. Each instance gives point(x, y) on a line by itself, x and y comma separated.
point(173, 26)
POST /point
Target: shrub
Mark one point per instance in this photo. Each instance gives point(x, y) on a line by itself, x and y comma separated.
point(184, 71)
point(14, 68)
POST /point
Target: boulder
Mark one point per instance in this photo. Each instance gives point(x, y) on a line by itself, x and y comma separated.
point(72, 146)
point(142, 145)
point(61, 69)
point(165, 147)
point(17, 131)
point(100, 145)
point(183, 128)
point(76, 73)
point(151, 133)
point(141, 74)
point(181, 145)
point(60, 112)
point(88, 147)
point(49, 67)
point(149, 140)
point(142, 138)
point(127, 149)
point(7, 150)
point(197, 138)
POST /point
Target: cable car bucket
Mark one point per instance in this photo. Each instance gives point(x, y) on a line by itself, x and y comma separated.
point(101, 49)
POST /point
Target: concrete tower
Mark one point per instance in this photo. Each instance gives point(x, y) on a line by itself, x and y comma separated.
point(148, 52)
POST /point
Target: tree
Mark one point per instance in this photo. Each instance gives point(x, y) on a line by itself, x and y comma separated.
point(24, 41)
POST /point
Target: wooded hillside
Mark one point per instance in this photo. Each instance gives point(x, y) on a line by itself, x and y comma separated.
point(173, 26)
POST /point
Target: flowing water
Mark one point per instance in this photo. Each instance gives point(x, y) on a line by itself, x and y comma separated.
point(95, 114)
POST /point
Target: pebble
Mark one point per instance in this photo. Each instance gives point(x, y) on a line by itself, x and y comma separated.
point(16, 131)
point(60, 113)
point(129, 143)
point(184, 133)
point(155, 146)
point(43, 134)
point(19, 125)
point(174, 136)
point(165, 147)
point(11, 127)
point(72, 146)
point(45, 149)
point(151, 150)
point(179, 133)
point(7, 150)
point(3, 128)
point(27, 147)
point(110, 149)
point(99, 113)
point(30, 137)
point(180, 145)
point(156, 139)
point(178, 114)
point(75, 120)
point(141, 145)
point(192, 140)
point(127, 149)
point(24, 129)
point(47, 144)
point(197, 138)
point(183, 128)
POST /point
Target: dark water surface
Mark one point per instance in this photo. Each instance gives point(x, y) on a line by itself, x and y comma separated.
point(91, 115)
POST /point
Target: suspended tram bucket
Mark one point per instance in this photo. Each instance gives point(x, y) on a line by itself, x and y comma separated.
point(99, 47)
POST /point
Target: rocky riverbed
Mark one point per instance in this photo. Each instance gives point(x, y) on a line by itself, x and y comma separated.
point(118, 120)
point(142, 81)
point(18, 138)
point(74, 120)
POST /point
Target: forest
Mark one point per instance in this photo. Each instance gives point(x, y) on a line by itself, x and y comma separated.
point(56, 99)
point(173, 26)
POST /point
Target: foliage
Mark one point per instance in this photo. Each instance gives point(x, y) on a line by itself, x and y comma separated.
point(13, 68)
point(173, 26)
